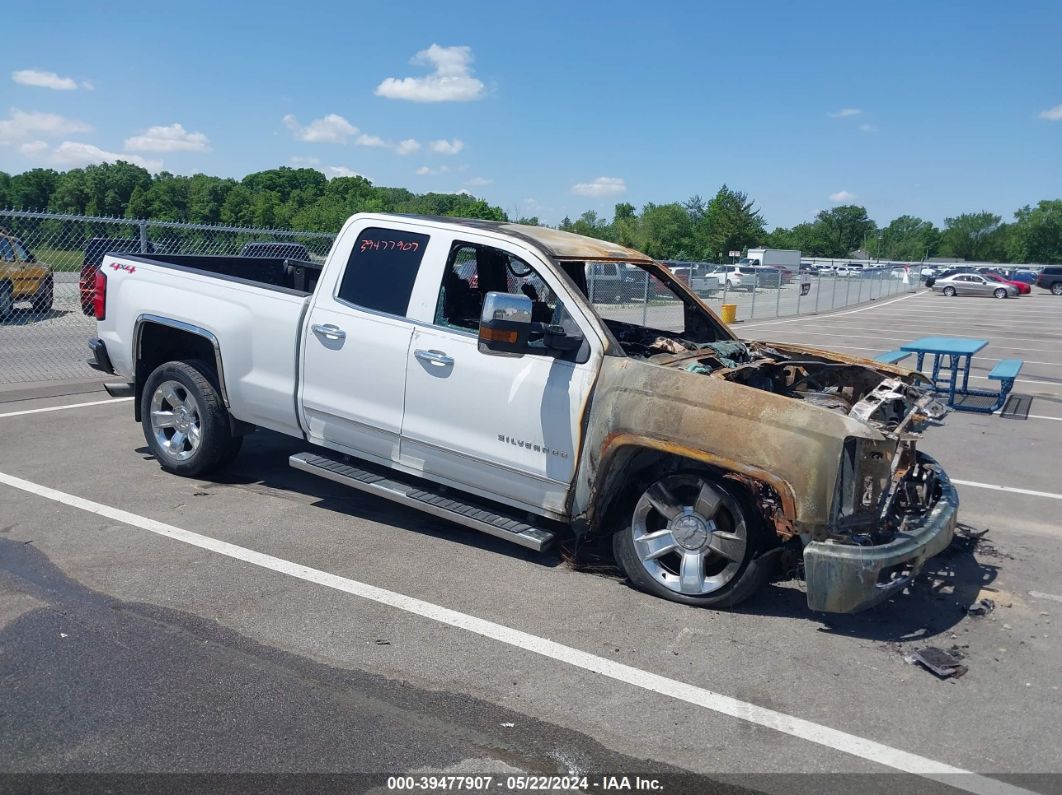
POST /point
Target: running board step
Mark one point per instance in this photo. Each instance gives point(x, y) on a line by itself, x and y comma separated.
point(416, 496)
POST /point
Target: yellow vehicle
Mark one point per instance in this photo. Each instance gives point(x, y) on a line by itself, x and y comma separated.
point(22, 278)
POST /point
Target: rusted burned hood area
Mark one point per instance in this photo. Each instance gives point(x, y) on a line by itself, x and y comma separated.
point(831, 436)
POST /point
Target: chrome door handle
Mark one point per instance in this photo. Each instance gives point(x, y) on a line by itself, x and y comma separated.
point(328, 330)
point(434, 357)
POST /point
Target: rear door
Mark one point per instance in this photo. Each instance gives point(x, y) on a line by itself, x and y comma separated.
point(356, 340)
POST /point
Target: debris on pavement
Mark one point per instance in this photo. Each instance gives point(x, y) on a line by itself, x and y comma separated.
point(982, 607)
point(944, 664)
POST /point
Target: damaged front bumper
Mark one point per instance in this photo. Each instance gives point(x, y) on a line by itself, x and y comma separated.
point(847, 578)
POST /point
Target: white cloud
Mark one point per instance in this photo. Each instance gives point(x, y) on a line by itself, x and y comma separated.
point(330, 129)
point(42, 79)
point(26, 124)
point(172, 138)
point(602, 186)
point(370, 140)
point(72, 154)
point(844, 113)
point(304, 162)
point(842, 196)
point(33, 148)
point(426, 170)
point(868, 128)
point(1052, 114)
point(407, 146)
point(450, 81)
point(444, 147)
point(478, 182)
point(340, 171)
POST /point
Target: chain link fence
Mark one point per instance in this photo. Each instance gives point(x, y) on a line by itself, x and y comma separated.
point(44, 257)
point(46, 317)
point(630, 294)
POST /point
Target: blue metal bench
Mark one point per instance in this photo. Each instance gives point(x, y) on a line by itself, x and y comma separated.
point(892, 357)
point(1005, 372)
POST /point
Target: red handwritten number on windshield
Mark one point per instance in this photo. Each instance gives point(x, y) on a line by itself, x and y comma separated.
point(389, 245)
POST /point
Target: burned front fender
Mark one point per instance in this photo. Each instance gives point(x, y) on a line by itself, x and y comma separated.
point(793, 446)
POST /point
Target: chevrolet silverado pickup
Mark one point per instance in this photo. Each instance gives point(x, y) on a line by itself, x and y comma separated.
point(458, 367)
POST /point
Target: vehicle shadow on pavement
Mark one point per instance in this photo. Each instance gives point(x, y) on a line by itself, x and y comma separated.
point(934, 603)
point(25, 317)
point(262, 467)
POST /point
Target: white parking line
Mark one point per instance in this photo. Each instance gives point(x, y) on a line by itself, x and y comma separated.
point(63, 408)
point(869, 750)
point(1042, 595)
point(1009, 489)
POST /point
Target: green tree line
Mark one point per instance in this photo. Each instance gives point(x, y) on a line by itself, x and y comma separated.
point(695, 229)
point(284, 198)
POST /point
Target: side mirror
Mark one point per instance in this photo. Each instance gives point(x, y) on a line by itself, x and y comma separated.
point(505, 324)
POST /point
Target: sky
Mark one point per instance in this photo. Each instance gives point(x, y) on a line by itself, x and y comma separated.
point(553, 108)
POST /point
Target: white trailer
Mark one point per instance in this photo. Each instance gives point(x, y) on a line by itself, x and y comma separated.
point(773, 257)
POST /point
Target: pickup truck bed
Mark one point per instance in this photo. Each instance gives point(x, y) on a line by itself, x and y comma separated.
point(285, 274)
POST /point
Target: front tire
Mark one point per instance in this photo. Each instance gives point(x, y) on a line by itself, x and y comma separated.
point(185, 421)
point(949, 291)
point(1000, 293)
point(691, 539)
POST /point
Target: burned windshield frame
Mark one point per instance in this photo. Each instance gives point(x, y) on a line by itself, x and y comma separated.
point(699, 324)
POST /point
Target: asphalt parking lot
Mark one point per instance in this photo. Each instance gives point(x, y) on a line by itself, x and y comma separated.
point(269, 621)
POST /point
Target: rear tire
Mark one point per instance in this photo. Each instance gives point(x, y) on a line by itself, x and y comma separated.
point(706, 554)
point(1056, 288)
point(949, 291)
point(186, 424)
point(7, 300)
point(45, 297)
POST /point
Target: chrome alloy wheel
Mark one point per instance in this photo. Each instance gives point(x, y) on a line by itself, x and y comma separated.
point(175, 420)
point(689, 534)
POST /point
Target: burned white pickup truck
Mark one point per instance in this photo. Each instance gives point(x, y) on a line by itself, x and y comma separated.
point(459, 368)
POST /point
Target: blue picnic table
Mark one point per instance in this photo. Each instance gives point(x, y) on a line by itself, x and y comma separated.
point(959, 352)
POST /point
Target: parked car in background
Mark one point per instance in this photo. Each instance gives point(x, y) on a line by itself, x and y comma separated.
point(949, 272)
point(95, 249)
point(610, 283)
point(276, 250)
point(22, 278)
point(1023, 288)
point(973, 284)
point(1050, 278)
point(771, 277)
point(738, 277)
point(1025, 276)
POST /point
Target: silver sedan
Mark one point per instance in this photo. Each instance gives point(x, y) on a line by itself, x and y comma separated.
point(973, 284)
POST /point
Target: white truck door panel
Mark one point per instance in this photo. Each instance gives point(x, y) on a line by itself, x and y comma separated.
point(499, 424)
point(354, 378)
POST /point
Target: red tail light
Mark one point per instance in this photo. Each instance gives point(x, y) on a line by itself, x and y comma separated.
point(99, 298)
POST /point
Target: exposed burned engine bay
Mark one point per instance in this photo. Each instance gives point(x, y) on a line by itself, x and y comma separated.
point(897, 406)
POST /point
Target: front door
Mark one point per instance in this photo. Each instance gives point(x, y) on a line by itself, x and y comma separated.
point(501, 426)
